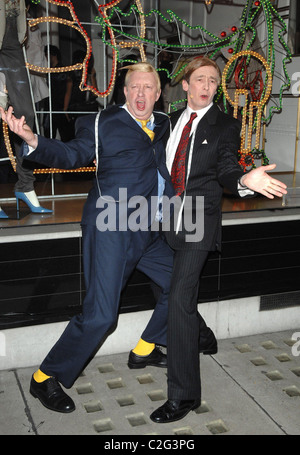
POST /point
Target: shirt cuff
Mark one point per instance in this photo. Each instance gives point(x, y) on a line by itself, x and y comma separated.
point(27, 149)
point(244, 190)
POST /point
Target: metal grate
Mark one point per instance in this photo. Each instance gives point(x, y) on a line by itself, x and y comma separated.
point(278, 301)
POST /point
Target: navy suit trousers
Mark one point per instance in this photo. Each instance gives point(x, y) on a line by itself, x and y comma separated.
point(109, 260)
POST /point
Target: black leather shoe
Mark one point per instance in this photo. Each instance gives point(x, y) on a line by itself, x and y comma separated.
point(174, 410)
point(155, 359)
point(51, 395)
point(210, 347)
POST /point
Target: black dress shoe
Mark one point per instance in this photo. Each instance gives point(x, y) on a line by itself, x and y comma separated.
point(51, 395)
point(174, 410)
point(210, 347)
point(155, 359)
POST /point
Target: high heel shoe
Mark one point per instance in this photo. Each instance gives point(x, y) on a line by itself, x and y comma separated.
point(3, 214)
point(32, 201)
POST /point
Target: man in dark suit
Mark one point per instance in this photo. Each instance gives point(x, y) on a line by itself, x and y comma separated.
point(131, 170)
point(201, 165)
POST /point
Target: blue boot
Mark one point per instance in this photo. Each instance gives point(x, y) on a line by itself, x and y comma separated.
point(31, 200)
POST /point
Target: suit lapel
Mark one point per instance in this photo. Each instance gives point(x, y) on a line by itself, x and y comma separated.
point(160, 120)
point(205, 124)
point(201, 132)
point(126, 118)
point(210, 118)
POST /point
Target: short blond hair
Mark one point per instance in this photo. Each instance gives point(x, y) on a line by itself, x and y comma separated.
point(143, 67)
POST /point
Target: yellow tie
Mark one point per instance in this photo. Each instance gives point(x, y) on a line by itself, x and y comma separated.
point(150, 133)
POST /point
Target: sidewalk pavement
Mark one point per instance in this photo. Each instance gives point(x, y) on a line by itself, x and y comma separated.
point(251, 387)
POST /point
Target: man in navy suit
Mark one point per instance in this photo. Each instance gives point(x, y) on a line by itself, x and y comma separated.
point(130, 164)
point(210, 165)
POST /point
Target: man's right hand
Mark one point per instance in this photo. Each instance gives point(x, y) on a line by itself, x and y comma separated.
point(19, 127)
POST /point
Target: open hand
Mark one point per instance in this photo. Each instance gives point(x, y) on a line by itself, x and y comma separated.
point(259, 181)
point(19, 126)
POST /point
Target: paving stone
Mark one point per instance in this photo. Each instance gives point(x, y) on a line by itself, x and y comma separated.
point(274, 390)
point(251, 387)
point(14, 419)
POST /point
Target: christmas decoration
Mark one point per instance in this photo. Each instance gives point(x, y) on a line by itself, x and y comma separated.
point(235, 43)
point(247, 153)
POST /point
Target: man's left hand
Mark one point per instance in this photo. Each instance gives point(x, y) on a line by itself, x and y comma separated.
point(259, 181)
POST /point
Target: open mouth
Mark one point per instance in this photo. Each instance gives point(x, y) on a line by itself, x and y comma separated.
point(140, 105)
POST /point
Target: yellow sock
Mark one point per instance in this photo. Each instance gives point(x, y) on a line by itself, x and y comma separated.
point(143, 348)
point(39, 376)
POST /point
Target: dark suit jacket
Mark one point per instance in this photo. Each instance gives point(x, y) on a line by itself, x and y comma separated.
point(127, 157)
point(214, 166)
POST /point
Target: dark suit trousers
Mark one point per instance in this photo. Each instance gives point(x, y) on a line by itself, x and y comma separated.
point(109, 258)
point(185, 326)
point(12, 64)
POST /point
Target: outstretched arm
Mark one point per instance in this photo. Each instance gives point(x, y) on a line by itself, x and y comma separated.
point(259, 181)
point(19, 127)
point(53, 152)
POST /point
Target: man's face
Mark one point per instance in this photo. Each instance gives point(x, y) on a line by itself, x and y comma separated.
point(141, 94)
point(202, 87)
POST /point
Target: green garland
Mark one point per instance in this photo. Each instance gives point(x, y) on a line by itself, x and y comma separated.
point(213, 44)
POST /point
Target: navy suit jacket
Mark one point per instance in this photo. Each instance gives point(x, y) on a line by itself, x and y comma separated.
point(127, 157)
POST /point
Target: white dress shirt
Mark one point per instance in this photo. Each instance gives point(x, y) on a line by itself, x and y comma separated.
point(176, 135)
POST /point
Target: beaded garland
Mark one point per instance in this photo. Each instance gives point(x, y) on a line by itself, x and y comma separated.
point(246, 150)
point(232, 42)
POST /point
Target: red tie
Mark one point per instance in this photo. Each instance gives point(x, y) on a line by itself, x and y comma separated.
point(178, 168)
